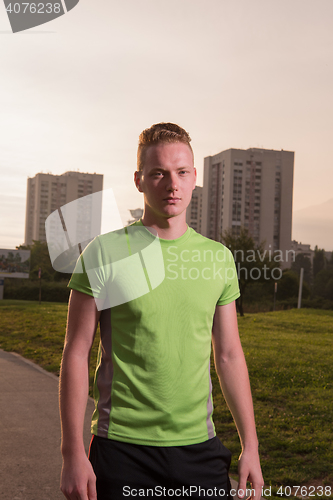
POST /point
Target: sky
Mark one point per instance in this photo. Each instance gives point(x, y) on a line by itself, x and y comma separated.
point(75, 93)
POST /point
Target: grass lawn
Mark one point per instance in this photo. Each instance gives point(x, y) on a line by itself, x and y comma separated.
point(290, 359)
point(37, 332)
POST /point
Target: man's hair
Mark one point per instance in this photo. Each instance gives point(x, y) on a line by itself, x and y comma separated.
point(160, 132)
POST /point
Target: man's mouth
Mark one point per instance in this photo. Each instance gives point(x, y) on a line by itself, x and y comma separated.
point(172, 199)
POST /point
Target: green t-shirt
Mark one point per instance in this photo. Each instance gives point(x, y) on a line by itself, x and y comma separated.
point(157, 300)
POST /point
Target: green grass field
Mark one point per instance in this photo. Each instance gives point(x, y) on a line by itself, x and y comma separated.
point(289, 356)
point(37, 332)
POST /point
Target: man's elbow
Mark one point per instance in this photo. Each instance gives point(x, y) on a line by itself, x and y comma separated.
point(226, 359)
point(74, 353)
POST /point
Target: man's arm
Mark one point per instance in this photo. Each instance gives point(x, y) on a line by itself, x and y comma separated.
point(234, 380)
point(77, 478)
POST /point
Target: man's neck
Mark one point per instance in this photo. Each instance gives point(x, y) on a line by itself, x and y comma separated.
point(169, 228)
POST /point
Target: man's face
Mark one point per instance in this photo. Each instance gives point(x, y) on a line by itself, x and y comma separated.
point(167, 179)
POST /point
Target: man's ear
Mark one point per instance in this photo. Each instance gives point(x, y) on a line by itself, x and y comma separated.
point(137, 180)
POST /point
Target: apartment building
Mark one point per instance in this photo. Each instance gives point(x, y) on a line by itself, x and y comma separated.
point(251, 188)
point(46, 193)
point(194, 210)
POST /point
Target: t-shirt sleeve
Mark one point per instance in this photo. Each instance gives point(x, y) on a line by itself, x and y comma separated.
point(89, 273)
point(230, 290)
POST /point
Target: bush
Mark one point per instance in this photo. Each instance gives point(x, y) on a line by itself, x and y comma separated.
point(23, 289)
point(316, 303)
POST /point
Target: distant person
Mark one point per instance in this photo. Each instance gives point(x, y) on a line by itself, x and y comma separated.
point(153, 433)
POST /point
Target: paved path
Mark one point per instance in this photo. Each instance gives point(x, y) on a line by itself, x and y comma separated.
point(30, 459)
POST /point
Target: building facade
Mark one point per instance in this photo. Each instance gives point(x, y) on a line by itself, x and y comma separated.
point(47, 193)
point(303, 249)
point(194, 210)
point(251, 188)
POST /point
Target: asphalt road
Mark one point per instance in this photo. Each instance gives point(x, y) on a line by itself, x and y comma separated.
point(30, 458)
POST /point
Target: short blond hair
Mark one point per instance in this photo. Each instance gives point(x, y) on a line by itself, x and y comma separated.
point(160, 132)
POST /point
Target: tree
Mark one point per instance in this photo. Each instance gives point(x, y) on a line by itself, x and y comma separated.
point(302, 260)
point(319, 261)
point(288, 286)
point(40, 258)
point(323, 283)
point(253, 263)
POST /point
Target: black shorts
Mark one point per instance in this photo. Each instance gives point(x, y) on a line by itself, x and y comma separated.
point(126, 470)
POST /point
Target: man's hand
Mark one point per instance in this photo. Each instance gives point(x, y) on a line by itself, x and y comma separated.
point(249, 470)
point(78, 481)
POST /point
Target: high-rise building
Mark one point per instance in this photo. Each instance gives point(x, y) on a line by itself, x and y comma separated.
point(46, 193)
point(251, 188)
point(194, 210)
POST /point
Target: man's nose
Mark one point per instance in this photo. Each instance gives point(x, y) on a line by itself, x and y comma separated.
point(172, 183)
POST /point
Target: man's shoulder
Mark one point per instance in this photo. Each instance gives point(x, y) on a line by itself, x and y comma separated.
point(117, 234)
point(203, 241)
point(121, 243)
point(105, 238)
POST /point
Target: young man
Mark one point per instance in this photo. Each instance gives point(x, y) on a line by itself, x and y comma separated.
point(153, 433)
